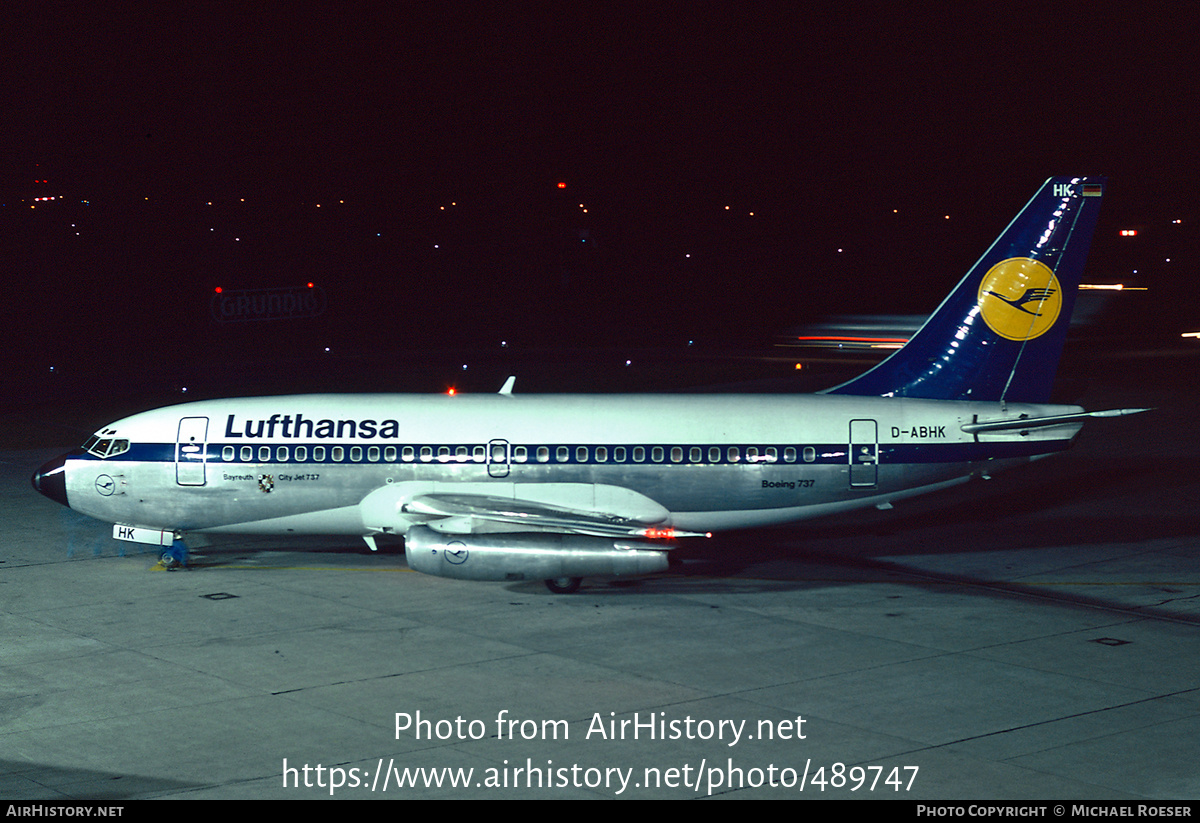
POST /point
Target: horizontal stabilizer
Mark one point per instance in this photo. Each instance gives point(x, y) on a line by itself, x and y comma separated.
point(1025, 422)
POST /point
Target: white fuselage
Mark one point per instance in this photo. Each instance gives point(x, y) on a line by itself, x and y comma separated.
point(348, 464)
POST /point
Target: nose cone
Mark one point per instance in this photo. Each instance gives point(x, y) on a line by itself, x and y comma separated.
point(51, 480)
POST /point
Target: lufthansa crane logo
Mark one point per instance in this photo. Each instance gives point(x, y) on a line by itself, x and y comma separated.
point(456, 553)
point(1020, 298)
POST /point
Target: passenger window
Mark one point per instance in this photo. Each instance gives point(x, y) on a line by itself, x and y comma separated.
point(734, 454)
point(562, 454)
point(373, 454)
point(426, 454)
point(619, 454)
point(520, 454)
point(264, 454)
point(714, 454)
point(789, 455)
point(389, 454)
point(810, 454)
point(751, 454)
point(301, 454)
point(581, 454)
point(460, 454)
point(281, 454)
point(543, 454)
point(337, 454)
point(227, 454)
point(656, 454)
point(676, 454)
point(639, 454)
point(356, 454)
point(247, 454)
point(771, 455)
point(479, 453)
point(319, 454)
point(408, 454)
point(695, 454)
point(443, 454)
point(601, 454)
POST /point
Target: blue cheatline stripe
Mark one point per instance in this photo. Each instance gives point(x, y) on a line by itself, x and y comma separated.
point(823, 454)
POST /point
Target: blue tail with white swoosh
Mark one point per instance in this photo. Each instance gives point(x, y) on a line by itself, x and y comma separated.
point(1000, 333)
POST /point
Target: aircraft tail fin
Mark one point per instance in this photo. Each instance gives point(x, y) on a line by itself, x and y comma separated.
point(1000, 333)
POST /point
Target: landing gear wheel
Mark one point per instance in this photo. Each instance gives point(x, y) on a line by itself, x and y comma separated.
point(564, 585)
point(175, 557)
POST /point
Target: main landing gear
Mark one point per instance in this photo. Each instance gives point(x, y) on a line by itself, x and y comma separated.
point(564, 585)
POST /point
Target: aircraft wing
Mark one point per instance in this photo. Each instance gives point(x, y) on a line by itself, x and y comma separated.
point(461, 513)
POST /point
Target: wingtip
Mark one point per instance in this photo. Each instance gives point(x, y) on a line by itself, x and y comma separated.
point(1119, 412)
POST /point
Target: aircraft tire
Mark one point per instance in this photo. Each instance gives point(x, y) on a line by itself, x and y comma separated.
point(564, 585)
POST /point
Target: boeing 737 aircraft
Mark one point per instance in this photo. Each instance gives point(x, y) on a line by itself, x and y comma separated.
point(558, 487)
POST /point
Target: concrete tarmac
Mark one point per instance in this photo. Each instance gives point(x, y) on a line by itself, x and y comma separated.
point(1036, 636)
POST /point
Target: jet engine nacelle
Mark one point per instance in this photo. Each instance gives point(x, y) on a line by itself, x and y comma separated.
point(528, 556)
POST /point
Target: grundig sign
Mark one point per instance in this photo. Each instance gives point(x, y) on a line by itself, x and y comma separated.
point(267, 304)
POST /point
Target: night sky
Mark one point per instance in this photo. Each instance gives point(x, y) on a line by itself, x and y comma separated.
point(730, 169)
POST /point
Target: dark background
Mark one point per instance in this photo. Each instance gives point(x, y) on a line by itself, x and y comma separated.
point(731, 170)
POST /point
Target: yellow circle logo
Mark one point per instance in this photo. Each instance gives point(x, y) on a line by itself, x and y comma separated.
point(1020, 298)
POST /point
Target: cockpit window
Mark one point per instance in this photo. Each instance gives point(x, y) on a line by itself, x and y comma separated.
point(103, 447)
